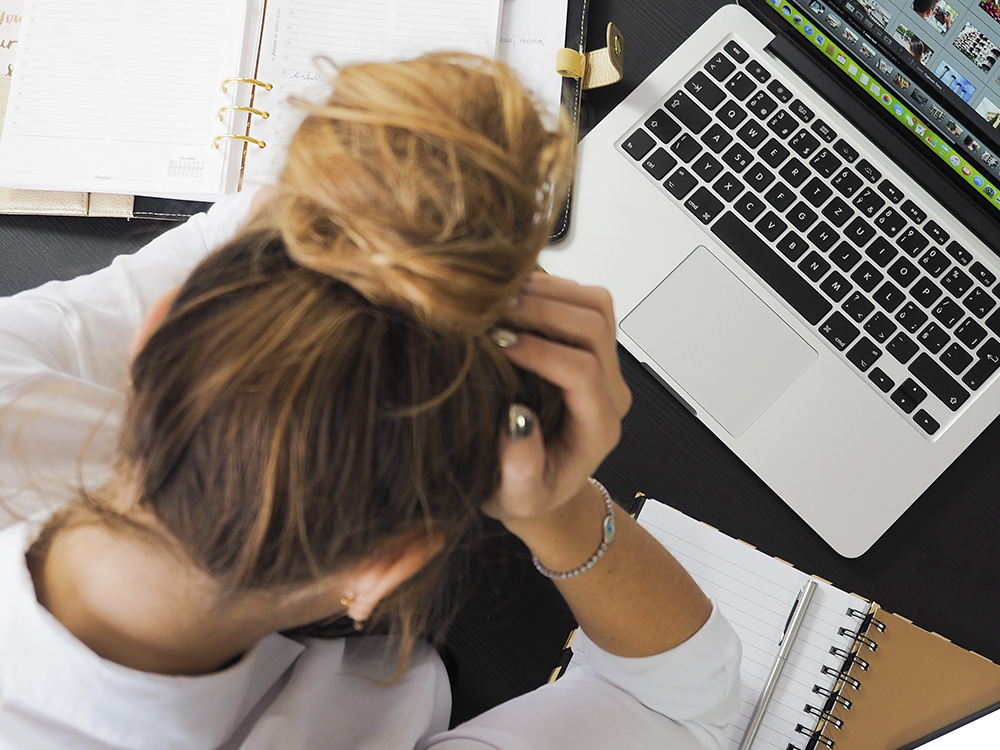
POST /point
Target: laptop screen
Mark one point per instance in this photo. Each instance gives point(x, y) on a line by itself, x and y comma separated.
point(931, 65)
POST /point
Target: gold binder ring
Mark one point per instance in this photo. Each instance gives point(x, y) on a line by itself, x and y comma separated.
point(251, 81)
point(234, 137)
point(237, 108)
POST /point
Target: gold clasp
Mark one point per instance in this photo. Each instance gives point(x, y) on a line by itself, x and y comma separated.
point(234, 137)
point(251, 81)
point(600, 67)
point(236, 108)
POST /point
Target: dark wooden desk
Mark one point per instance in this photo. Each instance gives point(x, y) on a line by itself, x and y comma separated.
point(939, 565)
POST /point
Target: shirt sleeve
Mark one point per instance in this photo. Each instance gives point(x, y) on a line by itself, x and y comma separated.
point(682, 699)
point(64, 356)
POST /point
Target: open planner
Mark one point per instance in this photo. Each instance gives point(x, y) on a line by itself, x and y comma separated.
point(145, 98)
point(857, 678)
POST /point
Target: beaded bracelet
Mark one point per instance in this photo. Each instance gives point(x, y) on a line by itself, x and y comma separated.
point(609, 536)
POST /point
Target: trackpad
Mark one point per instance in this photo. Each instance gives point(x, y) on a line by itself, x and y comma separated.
point(718, 341)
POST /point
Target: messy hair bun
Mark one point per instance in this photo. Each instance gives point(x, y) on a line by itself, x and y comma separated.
point(426, 185)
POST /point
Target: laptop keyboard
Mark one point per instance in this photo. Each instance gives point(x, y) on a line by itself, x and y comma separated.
point(908, 307)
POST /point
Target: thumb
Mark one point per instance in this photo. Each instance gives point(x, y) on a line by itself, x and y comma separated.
point(522, 465)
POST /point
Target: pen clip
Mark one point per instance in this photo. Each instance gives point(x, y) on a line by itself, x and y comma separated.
point(791, 614)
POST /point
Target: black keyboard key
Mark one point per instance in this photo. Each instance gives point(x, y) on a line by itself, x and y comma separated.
point(925, 292)
point(703, 205)
point(839, 331)
point(825, 162)
point(771, 226)
point(890, 191)
point(956, 359)
point(970, 333)
point(736, 52)
point(867, 170)
point(663, 126)
point(638, 144)
point(913, 211)
point(779, 90)
point(934, 337)
point(716, 138)
point(864, 354)
point(881, 252)
point(737, 158)
point(758, 177)
point(758, 71)
point(985, 276)
point(814, 266)
point(800, 110)
point(880, 327)
point(882, 381)
point(659, 163)
point(771, 267)
point(959, 253)
point(845, 150)
point(686, 147)
point(835, 286)
point(749, 206)
point(911, 317)
point(908, 396)
point(934, 262)
point(792, 246)
point(761, 105)
point(780, 196)
point(706, 167)
point(978, 302)
point(728, 187)
point(844, 256)
point(782, 124)
point(902, 348)
point(912, 242)
point(867, 276)
point(986, 365)
point(903, 272)
point(720, 67)
point(926, 422)
point(838, 212)
point(801, 216)
point(773, 153)
point(948, 312)
point(868, 202)
point(939, 382)
point(685, 109)
point(889, 296)
point(704, 90)
point(816, 192)
point(936, 233)
point(846, 182)
point(993, 323)
point(741, 85)
point(752, 133)
point(858, 307)
point(731, 114)
point(824, 131)
point(804, 144)
point(794, 172)
point(680, 183)
point(956, 282)
point(890, 221)
point(859, 231)
point(823, 236)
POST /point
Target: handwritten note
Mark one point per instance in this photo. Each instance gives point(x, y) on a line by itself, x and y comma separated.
point(531, 33)
point(10, 33)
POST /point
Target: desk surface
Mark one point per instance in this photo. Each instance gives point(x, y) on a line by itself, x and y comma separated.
point(939, 565)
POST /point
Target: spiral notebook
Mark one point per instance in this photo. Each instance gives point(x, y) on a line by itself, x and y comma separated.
point(858, 678)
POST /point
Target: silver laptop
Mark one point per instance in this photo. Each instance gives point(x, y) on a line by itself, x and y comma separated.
point(832, 321)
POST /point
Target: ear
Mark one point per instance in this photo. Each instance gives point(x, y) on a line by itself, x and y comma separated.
point(402, 559)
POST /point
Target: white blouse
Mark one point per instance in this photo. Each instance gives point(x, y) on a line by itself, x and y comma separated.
point(64, 350)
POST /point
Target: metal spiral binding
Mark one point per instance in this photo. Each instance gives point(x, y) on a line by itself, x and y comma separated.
point(849, 658)
point(833, 697)
point(825, 715)
point(866, 618)
point(814, 735)
point(860, 638)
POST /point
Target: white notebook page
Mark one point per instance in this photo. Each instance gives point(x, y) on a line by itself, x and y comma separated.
point(347, 31)
point(121, 96)
point(531, 34)
point(756, 593)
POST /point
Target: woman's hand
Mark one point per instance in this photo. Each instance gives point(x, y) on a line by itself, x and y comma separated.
point(577, 351)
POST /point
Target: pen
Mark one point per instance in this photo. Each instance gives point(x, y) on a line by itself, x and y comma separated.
point(795, 618)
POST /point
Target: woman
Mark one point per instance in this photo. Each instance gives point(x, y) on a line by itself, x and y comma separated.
point(314, 420)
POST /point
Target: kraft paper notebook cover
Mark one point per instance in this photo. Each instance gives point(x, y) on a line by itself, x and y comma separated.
point(858, 678)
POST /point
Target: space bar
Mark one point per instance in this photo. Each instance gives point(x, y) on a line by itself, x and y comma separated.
point(771, 267)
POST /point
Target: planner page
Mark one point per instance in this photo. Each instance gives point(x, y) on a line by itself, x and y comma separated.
point(756, 593)
point(531, 34)
point(122, 96)
point(348, 31)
